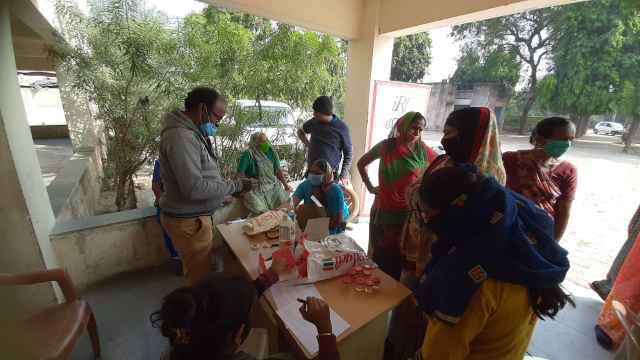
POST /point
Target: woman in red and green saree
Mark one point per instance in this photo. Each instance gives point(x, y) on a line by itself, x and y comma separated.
point(403, 158)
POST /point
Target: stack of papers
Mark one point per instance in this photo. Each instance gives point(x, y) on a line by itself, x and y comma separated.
point(285, 297)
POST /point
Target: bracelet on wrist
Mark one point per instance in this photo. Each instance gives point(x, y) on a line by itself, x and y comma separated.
point(325, 334)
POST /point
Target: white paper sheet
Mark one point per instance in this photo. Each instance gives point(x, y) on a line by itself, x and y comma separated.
point(303, 330)
point(284, 293)
point(317, 228)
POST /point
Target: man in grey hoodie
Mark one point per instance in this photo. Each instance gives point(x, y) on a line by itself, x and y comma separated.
point(194, 188)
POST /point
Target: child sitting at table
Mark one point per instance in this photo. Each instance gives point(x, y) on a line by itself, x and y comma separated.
point(211, 319)
point(320, 184)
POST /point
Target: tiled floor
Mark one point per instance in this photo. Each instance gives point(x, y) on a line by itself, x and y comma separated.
point(123, 305)
point(571, 335)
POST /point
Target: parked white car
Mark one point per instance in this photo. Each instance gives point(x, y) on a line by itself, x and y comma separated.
point(608, 128)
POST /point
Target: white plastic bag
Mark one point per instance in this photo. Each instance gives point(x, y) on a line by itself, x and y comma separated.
point(332, 257)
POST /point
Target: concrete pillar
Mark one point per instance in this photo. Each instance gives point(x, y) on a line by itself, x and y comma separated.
point(78, 114)
point(25, 211)
point(368, 59)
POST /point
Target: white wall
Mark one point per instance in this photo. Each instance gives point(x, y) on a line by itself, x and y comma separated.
point(368, 59)
point(25, 211)
point(43, 106)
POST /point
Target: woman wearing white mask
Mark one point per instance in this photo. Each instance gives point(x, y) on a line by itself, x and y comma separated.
point(319, 183)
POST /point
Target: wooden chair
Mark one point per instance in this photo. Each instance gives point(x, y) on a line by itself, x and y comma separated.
point(630, 349)
point(52, 333)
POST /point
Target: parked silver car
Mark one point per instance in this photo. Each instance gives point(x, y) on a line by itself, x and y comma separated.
point(608, 128)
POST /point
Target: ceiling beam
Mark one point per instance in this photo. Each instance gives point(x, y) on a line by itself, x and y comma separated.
point(406, 17)
point(341, 18)
point(29, 14)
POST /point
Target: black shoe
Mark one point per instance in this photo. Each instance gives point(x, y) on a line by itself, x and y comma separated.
point(603, 339)
point(601, 288)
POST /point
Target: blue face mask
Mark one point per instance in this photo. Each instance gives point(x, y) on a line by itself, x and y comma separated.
point(315, 179)
point(208, 129)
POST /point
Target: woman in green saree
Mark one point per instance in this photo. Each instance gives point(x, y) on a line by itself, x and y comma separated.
point(260, 161)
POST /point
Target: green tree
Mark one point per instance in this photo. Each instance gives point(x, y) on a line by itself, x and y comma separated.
point(587, 44)
point(249, 57)
point(279, 62)
point(411, 57)
point(119, 57)
point(134, 66)
point(546, 93)
point(525, 34)
point(629, 64)
point(498, 66)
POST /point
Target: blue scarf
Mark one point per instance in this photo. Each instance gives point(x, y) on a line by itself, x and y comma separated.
point(490, 233)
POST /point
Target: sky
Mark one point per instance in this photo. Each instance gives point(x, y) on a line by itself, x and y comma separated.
point(444, 53)
point(175, 8)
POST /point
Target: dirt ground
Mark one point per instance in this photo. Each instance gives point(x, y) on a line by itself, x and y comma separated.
point(144, 194)
point(607, 196)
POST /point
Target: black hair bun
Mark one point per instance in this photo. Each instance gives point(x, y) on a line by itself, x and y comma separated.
point(178, 311)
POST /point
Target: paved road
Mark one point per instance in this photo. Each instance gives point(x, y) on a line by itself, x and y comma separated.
point(607, 196)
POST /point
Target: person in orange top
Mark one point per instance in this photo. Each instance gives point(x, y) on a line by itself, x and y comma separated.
point(495, 267)
point(610, 332)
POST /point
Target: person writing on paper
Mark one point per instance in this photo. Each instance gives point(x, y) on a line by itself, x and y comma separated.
point(211, 319)
point(261, 162)
point(320, 184)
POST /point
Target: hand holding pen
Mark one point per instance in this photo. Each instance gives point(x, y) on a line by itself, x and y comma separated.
point(316, 311)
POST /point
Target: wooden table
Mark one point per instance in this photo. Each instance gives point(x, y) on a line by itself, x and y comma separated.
point(367, 314)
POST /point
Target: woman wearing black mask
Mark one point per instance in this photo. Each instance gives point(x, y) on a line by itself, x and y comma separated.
point(495, 268)
point(470, 137)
